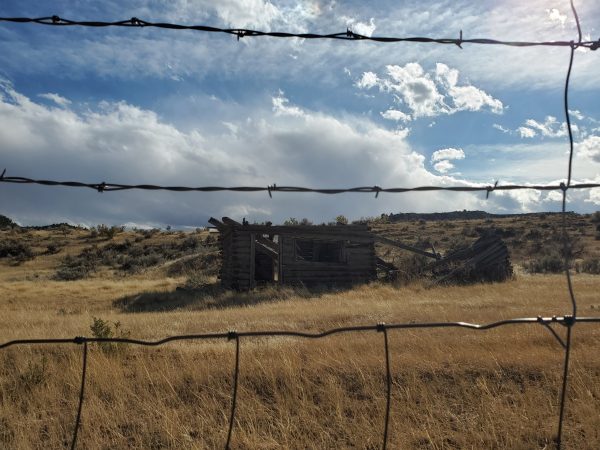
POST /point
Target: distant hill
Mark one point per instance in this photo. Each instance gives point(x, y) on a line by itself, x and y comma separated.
point(457, 215)
point(7, 222)
point(54, 226)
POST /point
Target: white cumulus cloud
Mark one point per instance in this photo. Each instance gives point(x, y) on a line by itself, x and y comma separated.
point(443, 166)
point(367, 81)
point(589, 148)
point(525, 132)
point(469, 98)
point(429, 94)
point(394, 114)
point(448, 153)
point(441, 158)
point(551, 127)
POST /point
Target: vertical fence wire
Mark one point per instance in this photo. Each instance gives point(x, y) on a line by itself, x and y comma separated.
point(236, 376)
point(388, 382)
point(81, 396)
point(567, 244)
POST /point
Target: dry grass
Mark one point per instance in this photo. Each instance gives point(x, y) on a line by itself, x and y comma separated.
point(451, 388)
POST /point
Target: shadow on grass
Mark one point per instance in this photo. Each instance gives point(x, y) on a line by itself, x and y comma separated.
point(213, 296)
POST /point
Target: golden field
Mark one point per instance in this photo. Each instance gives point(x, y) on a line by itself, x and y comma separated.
point(452, 388)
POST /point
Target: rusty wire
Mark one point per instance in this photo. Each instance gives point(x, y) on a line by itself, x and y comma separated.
point(347, 35)
point(568, 321)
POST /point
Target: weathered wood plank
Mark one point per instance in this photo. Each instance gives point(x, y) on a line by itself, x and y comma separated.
point(410, 248)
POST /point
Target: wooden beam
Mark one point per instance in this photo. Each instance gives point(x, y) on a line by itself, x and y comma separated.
point(216, 223)
point(260, 247)
point(267, 243)
point(387, 241)
point(229, 221)
point(387, 265)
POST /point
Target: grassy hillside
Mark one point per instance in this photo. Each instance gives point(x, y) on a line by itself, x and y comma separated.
point(451, 388)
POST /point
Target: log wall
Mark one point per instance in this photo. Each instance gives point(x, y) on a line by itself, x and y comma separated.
point(358, 264)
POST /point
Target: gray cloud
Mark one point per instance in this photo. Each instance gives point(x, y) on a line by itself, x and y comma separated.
point(280, 143)
point(120, 142)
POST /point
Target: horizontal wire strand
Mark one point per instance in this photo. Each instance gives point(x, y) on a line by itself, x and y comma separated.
point(561, 320)
point(347, 35)
point(110, 187)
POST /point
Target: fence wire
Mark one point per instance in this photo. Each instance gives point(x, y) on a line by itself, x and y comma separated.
point(549, 323)
point(347, 35)
point(110, 187)
point(546, 322)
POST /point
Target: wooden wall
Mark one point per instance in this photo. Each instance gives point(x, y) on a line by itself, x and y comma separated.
point(358, 266)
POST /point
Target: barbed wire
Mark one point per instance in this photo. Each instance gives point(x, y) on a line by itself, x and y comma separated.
point(567, 321)
point(347, 35)
point(546, 322)
point(109, 187)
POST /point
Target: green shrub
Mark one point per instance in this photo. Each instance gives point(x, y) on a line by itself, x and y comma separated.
point(52, 249)
point(36, 374)
point(341, 220)
point(534, 235)
point(589, 265)
point(190, 243)
point(551, 263)
point(104, 329)
point(109, 232)
point(75, 268)
point(70, 273)
point(18, 251)
point(147, 234)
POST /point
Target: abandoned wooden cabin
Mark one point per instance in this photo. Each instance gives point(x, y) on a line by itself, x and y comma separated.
point(301, 254)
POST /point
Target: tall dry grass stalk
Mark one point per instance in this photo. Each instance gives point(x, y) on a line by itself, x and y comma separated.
point(451, 388)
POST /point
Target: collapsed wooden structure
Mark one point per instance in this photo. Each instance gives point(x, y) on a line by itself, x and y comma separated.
point(300, 254)
point(341, 254)
point(487, 259)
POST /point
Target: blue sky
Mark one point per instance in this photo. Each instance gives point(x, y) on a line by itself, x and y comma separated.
point(183, 107)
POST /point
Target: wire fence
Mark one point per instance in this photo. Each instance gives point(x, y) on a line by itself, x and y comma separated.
point(546, 322)
point(567, 321)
